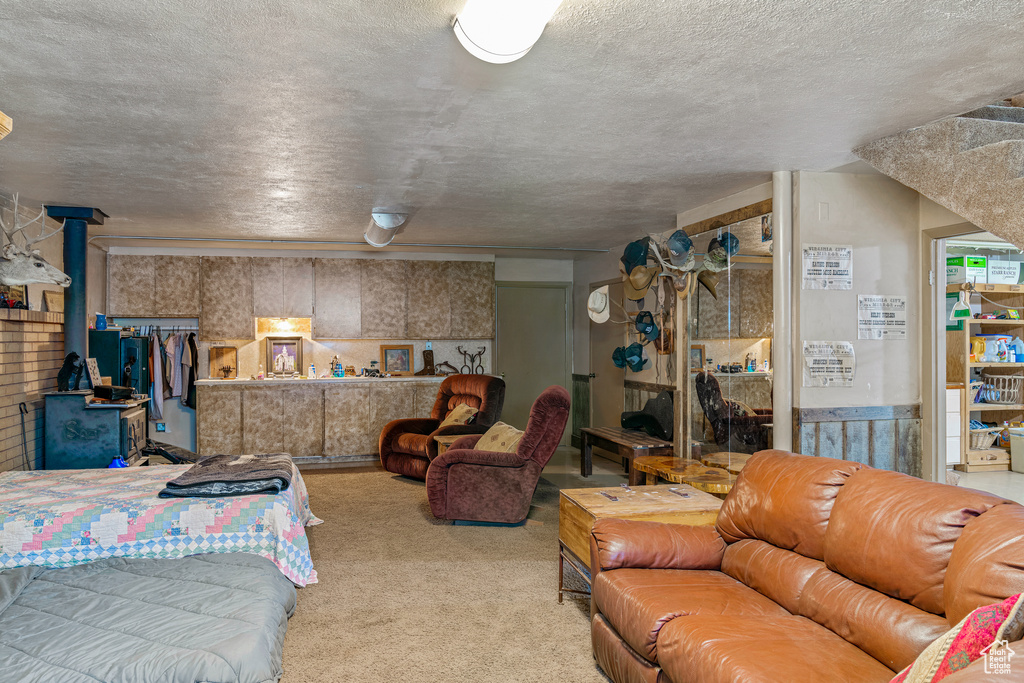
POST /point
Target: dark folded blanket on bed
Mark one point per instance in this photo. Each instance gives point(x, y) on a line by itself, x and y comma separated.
point(233, 475)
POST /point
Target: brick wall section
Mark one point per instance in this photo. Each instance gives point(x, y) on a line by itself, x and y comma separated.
point(31, 353)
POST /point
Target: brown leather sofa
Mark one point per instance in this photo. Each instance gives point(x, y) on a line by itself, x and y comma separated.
point(407, 446)
point(816, 570)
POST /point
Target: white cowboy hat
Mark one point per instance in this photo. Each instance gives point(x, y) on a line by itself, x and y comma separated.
point(597, 305)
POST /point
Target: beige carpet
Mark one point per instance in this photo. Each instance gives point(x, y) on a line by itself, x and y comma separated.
point(402, 597)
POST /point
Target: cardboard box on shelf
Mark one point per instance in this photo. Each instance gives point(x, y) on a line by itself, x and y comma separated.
point(967, 269)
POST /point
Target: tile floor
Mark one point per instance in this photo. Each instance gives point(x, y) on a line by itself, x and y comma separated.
point(1006, 484)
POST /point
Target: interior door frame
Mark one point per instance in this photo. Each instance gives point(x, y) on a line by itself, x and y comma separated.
point(566, 287)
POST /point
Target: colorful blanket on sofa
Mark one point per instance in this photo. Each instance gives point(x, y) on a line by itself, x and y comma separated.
point(59, 518)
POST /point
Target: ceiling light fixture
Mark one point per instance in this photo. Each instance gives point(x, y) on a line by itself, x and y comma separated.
point(6, 125)
point(502, 31)
point(383, 227)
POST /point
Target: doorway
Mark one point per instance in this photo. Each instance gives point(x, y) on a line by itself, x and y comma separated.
point(533, 344)
point(607, 400)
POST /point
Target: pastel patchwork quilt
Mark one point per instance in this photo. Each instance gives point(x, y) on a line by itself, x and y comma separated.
point(60, 518)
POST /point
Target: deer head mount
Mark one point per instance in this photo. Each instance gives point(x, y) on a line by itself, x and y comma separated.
point(22, 265)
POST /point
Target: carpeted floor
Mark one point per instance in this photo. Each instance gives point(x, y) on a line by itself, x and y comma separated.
point(403, 597)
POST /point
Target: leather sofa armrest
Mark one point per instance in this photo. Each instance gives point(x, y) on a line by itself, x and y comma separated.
point(975, 673)
point(620, 543)
point(453, 456)
point(459, 429)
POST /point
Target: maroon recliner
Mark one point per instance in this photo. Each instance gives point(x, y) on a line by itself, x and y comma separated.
point(482, 486)
point(407, 446)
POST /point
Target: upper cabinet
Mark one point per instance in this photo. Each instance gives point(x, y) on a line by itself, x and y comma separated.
point(743, 309)
point(227, 298)
point(282, 287)
point(153, 286)
point(346, 298)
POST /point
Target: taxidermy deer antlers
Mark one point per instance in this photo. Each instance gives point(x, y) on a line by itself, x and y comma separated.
point(22, 265)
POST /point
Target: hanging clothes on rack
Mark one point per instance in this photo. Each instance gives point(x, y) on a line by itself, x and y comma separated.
point(193, 372)
point(156, 389)
point(175, 344)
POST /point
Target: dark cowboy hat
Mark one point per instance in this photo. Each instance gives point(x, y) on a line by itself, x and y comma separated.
point(655, 418)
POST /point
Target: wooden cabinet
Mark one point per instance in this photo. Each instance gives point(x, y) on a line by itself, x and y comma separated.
point(219, 420)
point(337, 299)
point(347, 429)
point(471, 296)
point(1005, 406)
point(153, 286)
point(744, 308)
point(384, 290)
point(282, 287)
point(227, 298)
point(430, 308)
point(279, 419)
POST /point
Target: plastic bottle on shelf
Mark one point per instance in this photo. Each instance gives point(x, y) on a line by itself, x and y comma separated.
point(259, 373)
point(1018, 348)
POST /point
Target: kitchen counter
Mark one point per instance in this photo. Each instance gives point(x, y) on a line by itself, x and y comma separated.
point(319, 380)
point(318, 421)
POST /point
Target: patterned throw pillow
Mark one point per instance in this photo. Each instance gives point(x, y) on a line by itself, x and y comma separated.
point(984, 632)
point(461, 414)
point(501, 438)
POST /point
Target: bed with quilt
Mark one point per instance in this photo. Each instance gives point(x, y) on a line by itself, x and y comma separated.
point(217, 618)
point(61, 518)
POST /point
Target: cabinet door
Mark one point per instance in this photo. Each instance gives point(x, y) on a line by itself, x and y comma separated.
point(130, 280)
point(719, 318)
point(219, 421)
point(262, 417)
point(756, 303)
point(429, 314)
point(337, 299)
point(176, 287)
point(227, 311)
point(347, 428)
point(302, 428)
point(384, 287)
point(471, 293)
point(282, 287)
point(391, 401)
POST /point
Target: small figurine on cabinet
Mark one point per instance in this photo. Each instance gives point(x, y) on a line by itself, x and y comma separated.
point(71, 366)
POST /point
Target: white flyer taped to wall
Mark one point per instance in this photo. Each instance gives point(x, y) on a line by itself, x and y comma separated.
point(881, 317)
point(829, 364)
point(828, 266)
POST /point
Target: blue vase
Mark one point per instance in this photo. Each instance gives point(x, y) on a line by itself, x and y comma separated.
point(101, 321)
point(118, 461)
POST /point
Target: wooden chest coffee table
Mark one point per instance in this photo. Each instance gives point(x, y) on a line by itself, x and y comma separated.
point(578, 509)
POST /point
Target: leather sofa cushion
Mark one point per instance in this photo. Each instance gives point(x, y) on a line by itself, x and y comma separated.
point(894, 533)
point(778, 574)
point(784, 499)
point(617, 659)
point(987, 562)
point(413, 444)
point(744, 649)
point(639, 602)
point(889, 630)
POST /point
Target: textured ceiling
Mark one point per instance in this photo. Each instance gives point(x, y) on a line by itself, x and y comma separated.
point(292, 119)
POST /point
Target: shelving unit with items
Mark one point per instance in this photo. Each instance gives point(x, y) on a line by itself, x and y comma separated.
point(992, 388)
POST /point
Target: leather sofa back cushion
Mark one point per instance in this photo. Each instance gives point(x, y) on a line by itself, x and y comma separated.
point(784, 499)
point(889, 630)
point(778, 574)
point(987, 563)
point(894, 533)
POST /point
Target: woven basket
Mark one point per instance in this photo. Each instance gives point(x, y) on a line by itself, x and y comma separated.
point(984, 438)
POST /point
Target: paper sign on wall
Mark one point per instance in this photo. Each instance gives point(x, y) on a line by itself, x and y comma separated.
point(881, 317)
point(828, 266)
point(1003, 272)
point(829, 364)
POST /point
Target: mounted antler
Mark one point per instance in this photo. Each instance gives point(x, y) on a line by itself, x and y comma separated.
point(22, 265)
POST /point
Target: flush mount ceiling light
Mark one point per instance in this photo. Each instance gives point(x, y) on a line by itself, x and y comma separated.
point(6, 125)
point(502, 31)
point(383, 227)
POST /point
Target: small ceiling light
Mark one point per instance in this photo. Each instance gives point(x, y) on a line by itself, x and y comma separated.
point(383, 227)
point(502, 31)
point(6, 125)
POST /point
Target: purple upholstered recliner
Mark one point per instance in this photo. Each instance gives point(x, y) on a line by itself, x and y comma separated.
point(407, 446)
point(482, 486)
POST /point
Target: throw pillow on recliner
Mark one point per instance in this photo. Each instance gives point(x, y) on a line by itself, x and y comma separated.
point(461, 414)
point(500, 438)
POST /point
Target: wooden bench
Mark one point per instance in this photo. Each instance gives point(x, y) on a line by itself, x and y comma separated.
point(627, 444)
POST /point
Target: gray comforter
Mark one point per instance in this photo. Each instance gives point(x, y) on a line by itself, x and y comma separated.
point(210, 618)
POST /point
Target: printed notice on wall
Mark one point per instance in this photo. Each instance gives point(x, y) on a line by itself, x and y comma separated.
point(828, 364)
point(828, 266)
point(881, 317)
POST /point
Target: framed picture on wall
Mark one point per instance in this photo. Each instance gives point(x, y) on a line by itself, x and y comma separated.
point(696, 357)
point(396, 359)
point(15, 294)
point(284, 355)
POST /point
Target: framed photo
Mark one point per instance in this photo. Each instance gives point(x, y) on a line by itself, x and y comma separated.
point(15, 293)
point(696, 357)
point(284, 355)
point(54, 301)
point(396, 359)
